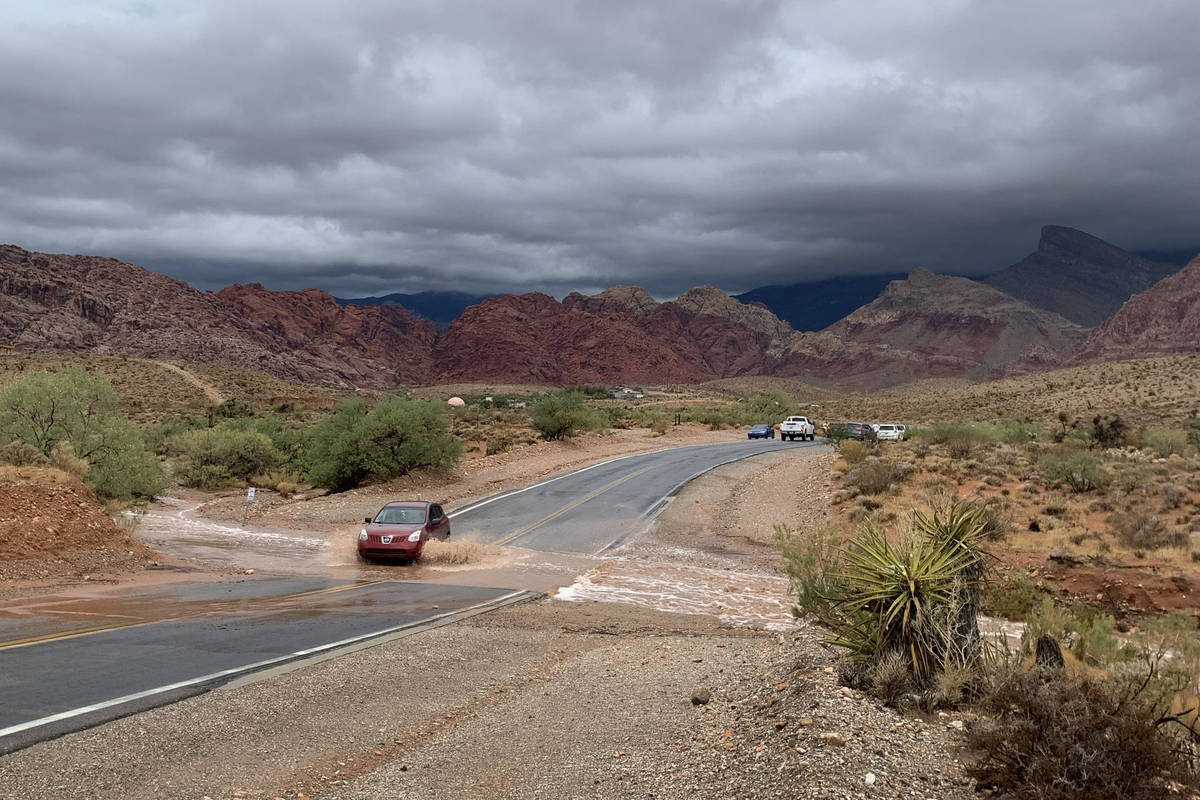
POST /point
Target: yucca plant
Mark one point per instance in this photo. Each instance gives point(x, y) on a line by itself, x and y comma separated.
point(894, 593)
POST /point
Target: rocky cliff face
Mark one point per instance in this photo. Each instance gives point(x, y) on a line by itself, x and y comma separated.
point(63, 302)
point(1078, 276)
point(1162, 320)
point(534, 338)
point(372, 346)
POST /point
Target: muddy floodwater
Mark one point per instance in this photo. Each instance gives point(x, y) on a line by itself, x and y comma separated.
point(173, 526)
point(744, 597)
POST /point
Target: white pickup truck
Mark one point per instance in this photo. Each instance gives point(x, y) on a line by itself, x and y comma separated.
point(796, 428)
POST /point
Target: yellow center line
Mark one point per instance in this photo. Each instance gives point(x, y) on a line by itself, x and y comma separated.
point(574, 504)
point(71, 634)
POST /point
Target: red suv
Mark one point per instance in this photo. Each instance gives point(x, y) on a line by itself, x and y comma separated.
point(400, 530)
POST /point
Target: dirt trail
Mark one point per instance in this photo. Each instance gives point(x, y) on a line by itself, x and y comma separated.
point(211, 392)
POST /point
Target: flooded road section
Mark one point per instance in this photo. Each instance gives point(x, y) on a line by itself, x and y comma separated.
point(173, 526)
point(736, 598)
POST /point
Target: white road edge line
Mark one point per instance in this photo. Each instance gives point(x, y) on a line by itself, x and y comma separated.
point(116, 701)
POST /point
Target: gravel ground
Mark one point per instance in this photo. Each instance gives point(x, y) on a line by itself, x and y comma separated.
point(544, 700)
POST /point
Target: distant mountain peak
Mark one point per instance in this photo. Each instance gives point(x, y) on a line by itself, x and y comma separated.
point(1078, 275)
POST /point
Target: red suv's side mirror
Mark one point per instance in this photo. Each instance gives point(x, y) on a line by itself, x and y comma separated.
point(367, 520)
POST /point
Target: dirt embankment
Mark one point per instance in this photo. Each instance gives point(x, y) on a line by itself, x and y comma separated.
point(52, 527)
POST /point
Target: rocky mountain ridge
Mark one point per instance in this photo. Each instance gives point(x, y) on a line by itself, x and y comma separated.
point(1162, 320)
point(922, 326)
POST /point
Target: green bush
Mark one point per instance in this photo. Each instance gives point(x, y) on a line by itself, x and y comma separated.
point(853, 451)
point(358, 442)
point(837, 431)
point(41, 409)
point(218, 456)
point(1015, 597)
point(561, 415)
point(1164, 442)
point(1079, 470)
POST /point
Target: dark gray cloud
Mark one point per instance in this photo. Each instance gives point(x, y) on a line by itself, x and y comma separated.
point(381, 146)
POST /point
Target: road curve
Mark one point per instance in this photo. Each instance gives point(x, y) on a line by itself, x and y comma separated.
point(595, 508)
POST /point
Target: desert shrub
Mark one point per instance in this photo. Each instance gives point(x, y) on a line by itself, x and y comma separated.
point(218, 456)
point(837, 431)
point(231, 409)
point(284, 481)
point(1131, 477)
point(960, 439)
point(1053, 736)
point(891, 679)
point(854, 451)
point(41, 409)
point(1014, 597)
point(1172, 497)
point(1018, 431)
point(1164, 442)
point(358, 442)
point(63, 457)
point(813, 560)
point(1108, 431)
point(1139, 530)
point(1079, 470)
point(159, 436)
point(877, 475)
point(23, 454)
point(500, 442)
point(561, 415)
point(286, 439)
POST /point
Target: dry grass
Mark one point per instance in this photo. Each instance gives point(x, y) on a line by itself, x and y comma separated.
point(43, 476)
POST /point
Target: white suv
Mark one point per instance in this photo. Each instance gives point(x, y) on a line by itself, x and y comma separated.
point(889, 432)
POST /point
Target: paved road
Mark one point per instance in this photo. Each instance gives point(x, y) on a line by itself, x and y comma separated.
point(190, 638)
point(155, 648)
point(596, 508)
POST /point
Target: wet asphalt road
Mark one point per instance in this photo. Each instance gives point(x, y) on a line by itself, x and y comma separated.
point(187, 638)
point(213, 633)
point(595, 509)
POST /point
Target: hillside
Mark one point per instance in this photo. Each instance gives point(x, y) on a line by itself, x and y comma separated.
point(1162, 320)
point(1078, 276)
point(815, 305)
point(930, 326)
point(74, 303)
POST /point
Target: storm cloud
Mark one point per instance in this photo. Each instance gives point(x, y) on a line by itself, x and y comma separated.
point(381, 146)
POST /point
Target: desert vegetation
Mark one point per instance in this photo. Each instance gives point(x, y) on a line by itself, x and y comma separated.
point(957, 561)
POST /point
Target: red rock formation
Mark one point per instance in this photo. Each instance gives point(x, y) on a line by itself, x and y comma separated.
point(534, 338)
point(73, 303)
point(1162, 320)
point(371, 345)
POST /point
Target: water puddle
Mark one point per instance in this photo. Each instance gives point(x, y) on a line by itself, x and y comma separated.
point(172, 526)
point(736, 598)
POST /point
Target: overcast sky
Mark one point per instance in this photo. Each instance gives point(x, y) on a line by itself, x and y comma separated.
point(374, 146)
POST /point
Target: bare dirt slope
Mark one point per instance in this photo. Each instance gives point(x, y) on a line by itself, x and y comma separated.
point(53, 528)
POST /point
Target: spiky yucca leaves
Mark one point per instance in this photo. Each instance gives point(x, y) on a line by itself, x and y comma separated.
point(896, 596)
point(961, 526)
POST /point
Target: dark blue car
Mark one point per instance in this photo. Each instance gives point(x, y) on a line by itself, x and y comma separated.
point(761, 431)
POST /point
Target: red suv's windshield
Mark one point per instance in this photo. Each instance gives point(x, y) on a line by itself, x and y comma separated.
point(400, 515)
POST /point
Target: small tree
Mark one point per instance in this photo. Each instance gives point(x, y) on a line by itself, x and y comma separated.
point(42, 409)
point(358, 442)
point(560, 415)
point(219, 456)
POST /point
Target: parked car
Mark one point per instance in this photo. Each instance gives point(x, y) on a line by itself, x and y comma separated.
point(761, 431)
point(400, 530)
point(796, 428)
point(888, 432)
point(859, 430)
